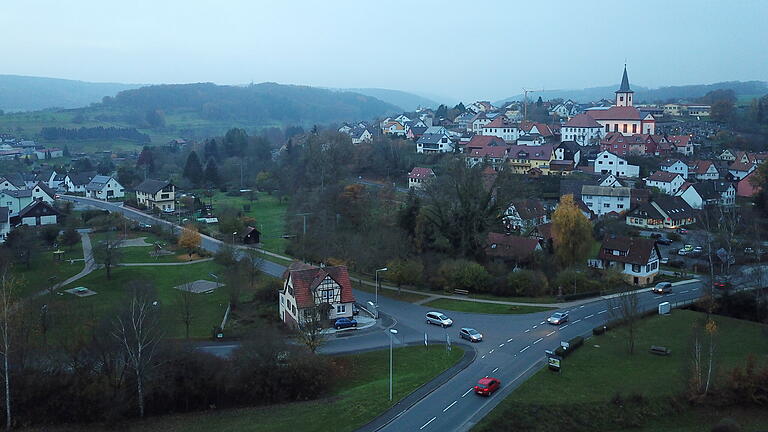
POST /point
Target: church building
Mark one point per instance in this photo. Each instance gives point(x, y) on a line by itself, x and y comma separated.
point(623, 117)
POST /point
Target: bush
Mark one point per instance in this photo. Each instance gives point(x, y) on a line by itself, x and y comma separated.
point(674, 236)
point(462, 274)
point(677, 264)
point(405, 271)
point(727, 425)
point(584, 283)
point(573, 344)
point(580, 296)
point(524, 283)
point(597, 331)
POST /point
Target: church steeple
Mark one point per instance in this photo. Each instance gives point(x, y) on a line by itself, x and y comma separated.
point(624, 93)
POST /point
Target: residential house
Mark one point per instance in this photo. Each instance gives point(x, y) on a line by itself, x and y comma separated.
point(565, 109)
point(49, 153)
point(17, 200)
point(307, 288)
point(534, 128)
point(568, 151)
point(602, 200)
point(698, 110)
point(709, 193)
point(532, 139)
point(675, 166)
point(481, 106)
point(727, 155)
point(682, 144)
point(738, 169)
point(583, 130)
point(509, 247)
point(37, 213)
point(703, 170)
point(360, 134)
point(434, 143)
point(393, 127)
point(609, 180)
point(250, 235)
point(501, 127)
point(14, 181)
point(607, 162)
point(636, 258)
point(524, 214)
point(464, 120)
point(478, 121)
point(418, 177)
point(5, 223)
point(415, 133)
point(494, 155)
point(104, 188)
point(157, 194)
point(523, 159)
point(76, 182)
point(663, 212)
point(665, 181)
point(745, 188)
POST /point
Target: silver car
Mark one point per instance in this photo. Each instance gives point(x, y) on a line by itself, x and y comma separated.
point(470, 334)
point(437, 318)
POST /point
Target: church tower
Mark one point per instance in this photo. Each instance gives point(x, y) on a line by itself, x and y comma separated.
point(624, 93)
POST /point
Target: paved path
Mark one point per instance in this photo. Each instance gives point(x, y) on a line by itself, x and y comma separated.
point(89, 266)
point(164, 263)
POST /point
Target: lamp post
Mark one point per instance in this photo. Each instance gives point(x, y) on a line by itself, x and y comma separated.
point(392, 332)
point(233, 237)
point(377, 284)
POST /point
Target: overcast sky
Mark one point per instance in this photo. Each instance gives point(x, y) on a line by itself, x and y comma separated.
point(463, 49)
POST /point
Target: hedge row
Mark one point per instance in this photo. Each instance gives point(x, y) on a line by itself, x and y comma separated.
point(579, 296)
point(572, 345)
point(612, 324)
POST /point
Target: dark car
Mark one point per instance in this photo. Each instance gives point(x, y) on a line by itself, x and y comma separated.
point(722, 284)
point(664, 241)
point(343, 323)
point(662, 288)
point(486, 386)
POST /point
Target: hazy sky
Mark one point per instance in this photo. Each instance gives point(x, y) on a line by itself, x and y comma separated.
point(462, 49)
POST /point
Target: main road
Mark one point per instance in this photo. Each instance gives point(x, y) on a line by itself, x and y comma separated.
point(512, 349)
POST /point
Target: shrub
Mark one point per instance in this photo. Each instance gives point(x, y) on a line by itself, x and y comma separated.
point(462, 274)
point(573, 344)
point(524, 283)
point(673, 236)
point(579, 296)
point(405, 271)
point(727, 425)
point(597, 331)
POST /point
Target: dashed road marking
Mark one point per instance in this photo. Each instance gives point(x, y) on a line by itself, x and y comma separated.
point(615, 307)
point(467, 392)
point(683, 292)
point(509, 340)
point(581, 307)
point(602, 311)
point(501, 345)
point(550, 333)
point(494, 371)
point(449, 406)
point(490, 352)
point(541, 323)
point(658, 297)
point(538, 340)
point(482, 357)
point(427, 423)
point(578, 320)
point(528, 330)
point(589, 316)
point(535, 326)
point(525, 348)
point(563, 327)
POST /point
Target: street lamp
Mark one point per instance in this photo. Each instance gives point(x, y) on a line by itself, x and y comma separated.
point(377, 284)
point(392, 332)
point(233, 237)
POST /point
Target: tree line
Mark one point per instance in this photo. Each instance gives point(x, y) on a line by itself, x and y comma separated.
point(98, 132)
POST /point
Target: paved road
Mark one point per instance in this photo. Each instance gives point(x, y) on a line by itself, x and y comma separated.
point(512, 349)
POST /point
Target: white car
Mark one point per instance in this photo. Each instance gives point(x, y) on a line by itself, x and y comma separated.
point(438, 318)
point(558, 318)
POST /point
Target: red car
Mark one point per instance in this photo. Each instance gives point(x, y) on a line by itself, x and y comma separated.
point(486, 386)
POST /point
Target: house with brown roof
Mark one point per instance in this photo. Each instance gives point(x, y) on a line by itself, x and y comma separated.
point(306, 288)
point(510, 247)
point(419, 176)
point(636, 258)
point(682, 144)
point(663, 212)
point(665, 181)
point(523, 214)
point(739, 169)
point(745, 188)
point(583, 130)
point(703, 170)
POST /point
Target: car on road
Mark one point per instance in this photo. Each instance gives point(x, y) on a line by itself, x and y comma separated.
point(662, 288)
point(470, 334)
point(558, 318)
point(682, 231)
point(682, 252)
point(665, 260)
point(664, 241)
point(144, 226)
point(437, 318)
point(688, 247)
point(698, 250)
point(343, 323)
point(486, 386)
point(168, 210)
point(722, 284)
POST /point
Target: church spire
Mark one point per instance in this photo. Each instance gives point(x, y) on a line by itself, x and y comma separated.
point(624, 88)
point(624, 93)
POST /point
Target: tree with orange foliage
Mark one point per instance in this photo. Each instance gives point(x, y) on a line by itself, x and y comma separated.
point(189, 238)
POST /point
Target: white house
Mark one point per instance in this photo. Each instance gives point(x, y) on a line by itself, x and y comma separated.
point(682, 144)
point(5, 223)
point(434, 143)
point(603, 200)
point(664, 212)
point(17, 200)
point(76, 182)
point(104, 187)
point(607, 162)
point(709, 193)
point(738, 170)
point(37, 213)
point(419, 176)
point(582, 129)
point(636, 258)
point(12, 182)
point(361, 135)
point(665, 181)
point(307, 288)
point(675, 166)
point(524, 214)
point(609, 180)
point(478, 122)
point(501, 127)
point(703, 170)
point(157, 194)
point(49, 153)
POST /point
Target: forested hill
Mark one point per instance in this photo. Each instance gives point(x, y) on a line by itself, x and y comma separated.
point(265, 103)
point(27, 93)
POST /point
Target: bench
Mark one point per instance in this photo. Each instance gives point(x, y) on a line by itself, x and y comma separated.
point(660, 350)
point(461, 292)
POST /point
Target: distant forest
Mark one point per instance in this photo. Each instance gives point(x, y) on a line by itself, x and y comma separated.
point(100, 132)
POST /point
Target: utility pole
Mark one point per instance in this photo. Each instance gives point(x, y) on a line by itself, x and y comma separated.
point(305, 220)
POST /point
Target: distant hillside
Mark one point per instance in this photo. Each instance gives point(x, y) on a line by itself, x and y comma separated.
point(25, 93)
point(645, 94)
point(406, 101)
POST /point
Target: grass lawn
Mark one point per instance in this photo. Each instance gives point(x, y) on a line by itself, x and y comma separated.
point(600, 369)
point(402, 296)
point(208, 309)
point(489, 308)
point(359, 397)
point(45, 268)
point(547, 299)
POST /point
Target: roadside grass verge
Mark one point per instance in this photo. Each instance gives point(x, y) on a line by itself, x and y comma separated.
point(384, 292)
point(360, 395)
point(488, 308)
point(601, 372)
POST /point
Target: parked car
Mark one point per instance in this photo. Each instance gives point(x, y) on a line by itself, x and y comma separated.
point(144, 226)
point(664, 241)
point(168, 210)
point(682, 230)
point(698, 250)
point(437, 318)
point(665, 260)
point(470, 334)
point(558, 318)
point(722, 284)
point(486, 386)
point(688, 247)
point(343, 323)
point(662, 288)
point(748, 251)
point(682, 252)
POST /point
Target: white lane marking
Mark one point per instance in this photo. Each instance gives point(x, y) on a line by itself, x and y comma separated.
point(467, 392)
point(501, 345)
point(482, 357)
point(494, 371)
point(563, 327)
point(535, 326)
point(449, 406)
point(509, 340)
point(602, 311)
point(525, 348)
point(658, 297)
point(694, 289)
point(581, 307)
point(528, 330)
point(490, 352)
point(615, 307)
point(427, 423)
point(578, 320)
point(550, 333)
point(589, 316)
point(541, 323)
point(683, 292)
point(538, 340)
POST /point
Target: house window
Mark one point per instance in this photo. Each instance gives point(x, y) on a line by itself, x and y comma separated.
point(341, 309)
point(634, 128)
point(625, 128)
point(636, 268)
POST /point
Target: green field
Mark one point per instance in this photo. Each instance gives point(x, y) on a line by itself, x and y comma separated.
point(45, 269)
point(360, 396)
point(208, 309)
point(602, 368)
point(489, 308)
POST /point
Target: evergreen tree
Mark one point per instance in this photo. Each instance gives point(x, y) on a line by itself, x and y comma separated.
point(442, 111)
point(460, 107)
point(146, 159)
point(66, 150)
point(212, 173)
point(235, 142)
point(193, 169)
point(211, 150)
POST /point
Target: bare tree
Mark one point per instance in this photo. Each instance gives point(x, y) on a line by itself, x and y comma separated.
point(7, 309)
point(108, 253)
point(625, 307)
point(137, 329)
point(251, 263)
point(185, 302)
point(703, 358)
point(310, 328)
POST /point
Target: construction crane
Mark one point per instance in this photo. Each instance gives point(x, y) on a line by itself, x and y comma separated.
point(525, 102)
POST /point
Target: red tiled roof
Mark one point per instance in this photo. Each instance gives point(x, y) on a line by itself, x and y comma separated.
point(491, 151)
point(636, 250)
point(498, 122)
point(745, 188)
point(701, 166)
point(479, 141)
point(306, 280)
point(582, 121)
point(741, 166)
point(421, 173)
point(615, 113)
point(510, 246)
point(663, 176)
point(679, 140)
